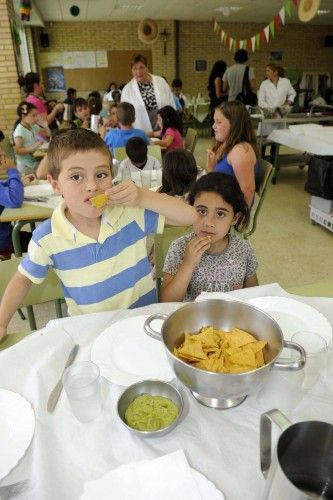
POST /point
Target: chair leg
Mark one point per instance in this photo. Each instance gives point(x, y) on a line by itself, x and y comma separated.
point(21, 314)
point(31, 318)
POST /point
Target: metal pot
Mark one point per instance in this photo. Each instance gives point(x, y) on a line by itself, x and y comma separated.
point(301, 467)
point(221, 390)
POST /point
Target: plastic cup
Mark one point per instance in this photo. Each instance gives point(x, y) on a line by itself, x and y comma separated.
point(146, 178)
point(159, 177)
point(282, 390)
point(316, 350)
point(82, 385)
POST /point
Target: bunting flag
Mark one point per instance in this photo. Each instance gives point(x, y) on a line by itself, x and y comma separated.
point(25, 10)
point(268, 32)
point(282, 15)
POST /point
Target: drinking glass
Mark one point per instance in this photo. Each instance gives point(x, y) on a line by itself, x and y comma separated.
point(316, 350)
point(82, 385)
point(281, 390)
point(159, 177)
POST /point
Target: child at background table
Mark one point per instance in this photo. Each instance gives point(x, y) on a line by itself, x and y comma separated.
point(118, 137)
point(211, 259)
point(28, 137)
point(82, 113)
point(170, 129)
point(99, 253)
point(11, 196)
point(138, 159)
point(179, 173)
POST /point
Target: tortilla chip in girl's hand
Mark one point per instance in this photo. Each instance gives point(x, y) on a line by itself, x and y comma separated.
point(99, 201)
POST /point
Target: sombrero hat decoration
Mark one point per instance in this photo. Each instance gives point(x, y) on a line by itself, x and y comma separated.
point(307, 9)
point(148, 31)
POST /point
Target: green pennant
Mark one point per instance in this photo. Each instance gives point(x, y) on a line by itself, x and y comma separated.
point(287, 6)
point(258, 40)
point(272, 28)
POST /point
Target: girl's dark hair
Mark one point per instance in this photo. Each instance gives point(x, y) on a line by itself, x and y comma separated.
point(28, 81)
point(228, 188)
point(95, 104)
point(179, 172)
point(217, 71)
point(23, 109)
point(170, 118)
point(241, 129)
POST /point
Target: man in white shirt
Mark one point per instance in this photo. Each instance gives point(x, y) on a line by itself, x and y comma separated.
point(233, 76)
point(275, 91)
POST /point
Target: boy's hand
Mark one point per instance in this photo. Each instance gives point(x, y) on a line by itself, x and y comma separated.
point(124, 193)
point(195, 249)
point(5, 162)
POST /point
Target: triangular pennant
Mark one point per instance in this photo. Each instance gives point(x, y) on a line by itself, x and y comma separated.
point(223, 34)
point(231, 42)
point(262, 36)
point(295, 2)
point(216, 27)
point(253, 43)
point(258, 40)
point(266, 30)
point(282, 15)
point(287, 5)
point(249, 44)
point(277, 22)
point(272, 28)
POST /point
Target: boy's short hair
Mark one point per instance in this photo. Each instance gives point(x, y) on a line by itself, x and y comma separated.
point(79, 103)
point(126, 113)
point(176, 82)
point(136, 150)
point(66, 142)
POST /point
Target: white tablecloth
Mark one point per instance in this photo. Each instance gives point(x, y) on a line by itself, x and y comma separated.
point(312, 145)
point(221, 444)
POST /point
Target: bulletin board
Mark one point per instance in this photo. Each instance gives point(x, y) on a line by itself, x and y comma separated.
point(118, 71)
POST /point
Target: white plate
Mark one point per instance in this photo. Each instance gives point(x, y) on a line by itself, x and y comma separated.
point(293, 316)
point(17, 426)
point(125, 354)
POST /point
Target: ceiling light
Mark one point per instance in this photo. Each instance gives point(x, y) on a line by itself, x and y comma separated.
point(321, 12)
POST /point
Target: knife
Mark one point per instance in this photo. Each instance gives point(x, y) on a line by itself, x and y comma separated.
point(55, 393)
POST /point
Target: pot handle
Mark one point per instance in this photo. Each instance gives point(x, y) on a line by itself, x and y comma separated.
point(266, 420)
point(149, 330)
point(292, 365)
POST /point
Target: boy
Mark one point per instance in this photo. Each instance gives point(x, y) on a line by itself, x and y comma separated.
point(138, 158)
point(82, 112)
point(177, 90)
point(99, 254)
point(116, 138)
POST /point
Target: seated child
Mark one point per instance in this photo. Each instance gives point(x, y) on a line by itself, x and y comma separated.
point(82, 113)
point(11, 196)
point(138, 159)
point(96, 238)
point(28, 137)
point(179, 173)
point(211, 259)
point(116, 138)
point(177, 90)
point(170, 130)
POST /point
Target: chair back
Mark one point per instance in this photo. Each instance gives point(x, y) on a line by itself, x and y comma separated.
point(155, 151)
point(162, 243)
point(264, 178)
point(190, 139)
point(120, 153)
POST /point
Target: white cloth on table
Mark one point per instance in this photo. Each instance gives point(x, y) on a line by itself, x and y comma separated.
point(131, 93)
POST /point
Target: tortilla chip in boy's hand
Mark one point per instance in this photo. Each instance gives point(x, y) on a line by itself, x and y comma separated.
point(99, 201)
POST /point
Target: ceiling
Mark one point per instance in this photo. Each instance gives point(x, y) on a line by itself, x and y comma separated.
point(257, 11)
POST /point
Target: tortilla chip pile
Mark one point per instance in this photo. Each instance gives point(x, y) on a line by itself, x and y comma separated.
point(99, 201)
point(218, 351)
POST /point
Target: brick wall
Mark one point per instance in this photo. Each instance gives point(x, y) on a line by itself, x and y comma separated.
point(302, 46)
point(9, 90)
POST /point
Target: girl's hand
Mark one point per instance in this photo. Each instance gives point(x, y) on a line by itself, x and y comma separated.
point(124, 193)
point(195, 249)
point(59, 107)
point(211, 160)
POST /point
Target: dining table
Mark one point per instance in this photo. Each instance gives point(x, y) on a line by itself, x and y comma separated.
point(223, 445)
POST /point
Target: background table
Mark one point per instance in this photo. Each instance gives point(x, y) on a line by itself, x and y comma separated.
point(221, 444)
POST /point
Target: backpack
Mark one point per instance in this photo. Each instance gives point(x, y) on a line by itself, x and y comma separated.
point(246, 96)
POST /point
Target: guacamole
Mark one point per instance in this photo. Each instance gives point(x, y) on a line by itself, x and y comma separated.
point(150, 413)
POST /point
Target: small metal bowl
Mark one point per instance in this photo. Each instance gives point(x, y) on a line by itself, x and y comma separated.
point(154, 388)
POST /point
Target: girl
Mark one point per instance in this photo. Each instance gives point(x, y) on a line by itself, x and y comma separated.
point(211, 258)
point(235, 151)
point(170, 129)
point(27, 137)
point(34, 90)
point(179, 172)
